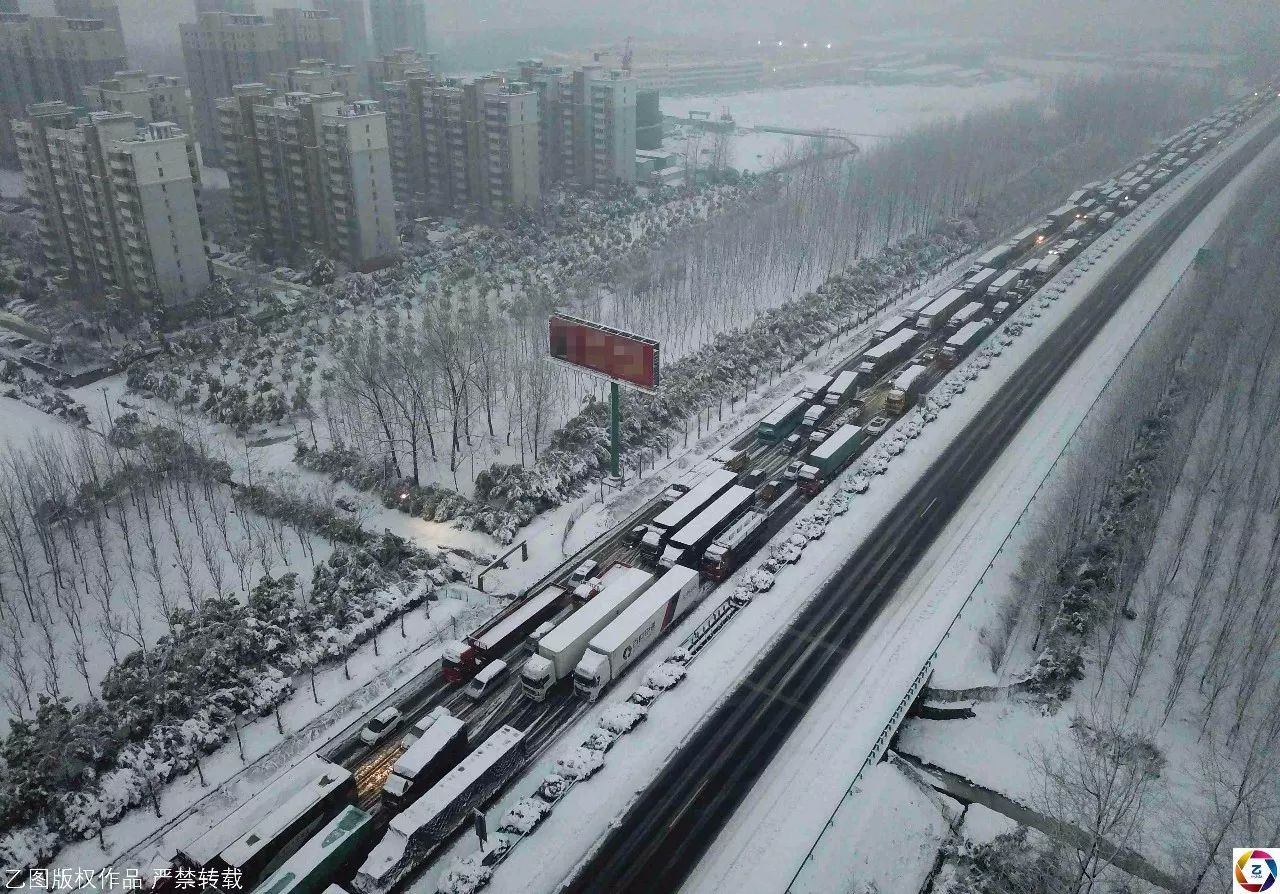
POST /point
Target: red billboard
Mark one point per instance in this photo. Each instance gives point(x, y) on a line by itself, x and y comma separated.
point(612, 353)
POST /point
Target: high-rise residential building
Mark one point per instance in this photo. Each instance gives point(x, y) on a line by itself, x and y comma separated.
point(308, 34)
point(648, 119)
point(546, 82)
point(9, 6)
point(396, 66)
point(45, 58)
point(463, 146)
point(220, 50)
point(119, 204)
point(104, 10)
point(146, 97)
point(311, 171)
point(315, 76)
point(356, 50)
point(398, 24)
point(598, 127)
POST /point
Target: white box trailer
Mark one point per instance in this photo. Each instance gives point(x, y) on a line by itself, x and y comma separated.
point(561, 649)
point(619, 645)
point(969, 337)
point(688, 543)
point(670, 519)
point(423, 763)
point(1003, 284)
point(906, 388)
point(940, 310)
point(889, 325)
point(970, 311)
point(884, 355)
point(842, 388)
point(980, 281)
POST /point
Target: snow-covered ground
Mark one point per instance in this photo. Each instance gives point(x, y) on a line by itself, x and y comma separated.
point(769, 835)
point(850, 108)
point(760, 841)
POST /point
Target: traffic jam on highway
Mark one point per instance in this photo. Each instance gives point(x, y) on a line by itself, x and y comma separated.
point(414, 773)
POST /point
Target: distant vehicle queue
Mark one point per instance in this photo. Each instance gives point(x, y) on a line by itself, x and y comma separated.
point(303, 832)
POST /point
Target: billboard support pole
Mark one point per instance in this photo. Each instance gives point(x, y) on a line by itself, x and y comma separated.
point(615, 417)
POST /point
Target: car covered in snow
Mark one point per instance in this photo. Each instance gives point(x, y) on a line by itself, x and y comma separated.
point(876, 426)
point(382, 726)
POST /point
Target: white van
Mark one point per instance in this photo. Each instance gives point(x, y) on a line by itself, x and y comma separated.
point(486, 680)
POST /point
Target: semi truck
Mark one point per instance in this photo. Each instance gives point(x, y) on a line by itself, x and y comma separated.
point(417, 831)
point(842, 388)
point(889, 326)
point(815, 387)
point(687, 544)
point(1026, 240)
point(501, 633)
point(831, 457)
point(963, 342)
point(625, 639)
point(970, 311)
point(1059, 217)
point(906, 388)
point(885, 355)
point(669, 520)
point(1004, 284)
point(977, 284)
point(935, 316)
point(997, 258)
point(562, 648)
point(733, 545)
point(782, 420)
point(423, 763)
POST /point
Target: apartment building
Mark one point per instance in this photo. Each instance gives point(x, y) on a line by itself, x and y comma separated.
point(105, 11)
point(546, 82)
point(309, 34)
point(463, 146)
point(315, 76)
point(356, 49)
point(598, 127)
point(397, 24)
point(147, 97)
point(242, 7)
point(310, 171)
point(45, 58)
point(119, 203)
point(223, 49)
point(396, 66)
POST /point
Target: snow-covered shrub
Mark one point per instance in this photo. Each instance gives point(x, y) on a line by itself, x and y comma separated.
point(552, 787)
point(643, 694)
point(761, 580)
point(622, 717)
point(466, 876)
point(524, 816)
point(600, 739)
point(664, 676)
point(578, 764)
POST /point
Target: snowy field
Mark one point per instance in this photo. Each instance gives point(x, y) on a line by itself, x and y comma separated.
point(765, 835)
point(848, 107)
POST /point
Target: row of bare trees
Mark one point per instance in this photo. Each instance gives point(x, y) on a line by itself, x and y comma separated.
point(100, 544)
point(1185, 625)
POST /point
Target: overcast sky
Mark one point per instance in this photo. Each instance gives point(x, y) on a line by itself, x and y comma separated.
point(1070, 25)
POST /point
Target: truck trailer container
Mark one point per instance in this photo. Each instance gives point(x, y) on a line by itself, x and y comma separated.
point(262, 848)
point(206, 850)
point(996, 258)
point(970, 311)
point(497, 636)
point(418, 830)
point(1026, 240)
point(825, 462)
point(889, 325)
point(935, 316)
point(625, 639)
point(561, 649)
point(963, 342)
point(316, 862)
point(842, 388)
point(1004, 284)
point(688, 543)
point(423, 763)
point(782, 420)
point(1048, 266)
point(815, 387)
point(669, 520)
point(885, 355)
point(977, 284)
point(906, 388)
point(733, 545)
